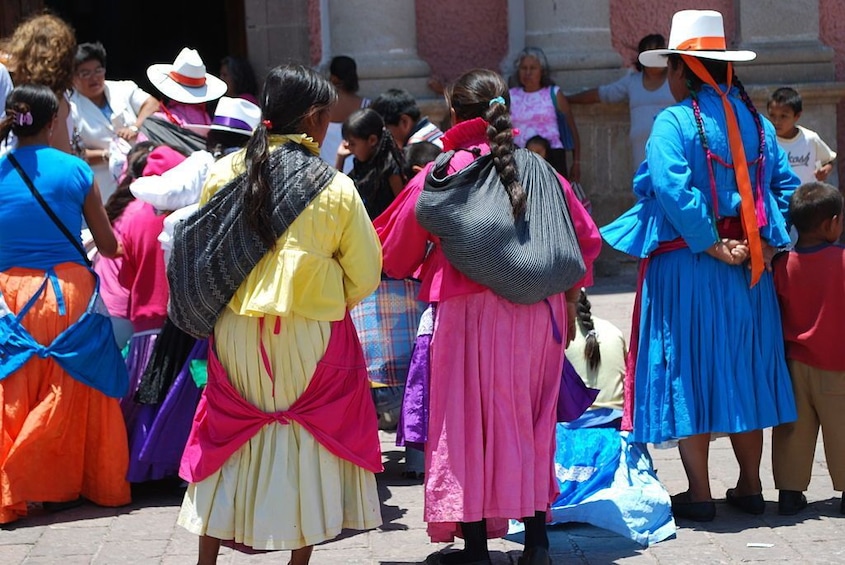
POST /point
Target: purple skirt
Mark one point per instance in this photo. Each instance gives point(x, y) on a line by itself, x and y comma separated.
point(158, 432)
point(574, 398)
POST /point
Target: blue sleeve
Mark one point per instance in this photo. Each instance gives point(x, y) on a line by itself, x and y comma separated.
point(784, 180)
point(685, 206)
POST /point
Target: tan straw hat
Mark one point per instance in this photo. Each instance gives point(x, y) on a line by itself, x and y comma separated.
point(698, 33)
point(186, 80)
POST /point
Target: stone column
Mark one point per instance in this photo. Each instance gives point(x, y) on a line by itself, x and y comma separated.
point(516, 35)
point(276, 31)
point(382, 38)
point(786, 40)
point(575, 35)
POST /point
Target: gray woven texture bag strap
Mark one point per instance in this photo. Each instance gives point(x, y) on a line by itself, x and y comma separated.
point(214, 250)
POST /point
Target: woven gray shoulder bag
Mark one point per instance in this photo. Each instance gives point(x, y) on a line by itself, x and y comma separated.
point(523, 259)
point(214, 249)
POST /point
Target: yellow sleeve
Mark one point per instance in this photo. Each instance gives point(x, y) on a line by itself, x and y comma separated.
point(359, 249)
point(220, 173)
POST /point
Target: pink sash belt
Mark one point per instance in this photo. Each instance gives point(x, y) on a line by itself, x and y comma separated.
point(336, 408)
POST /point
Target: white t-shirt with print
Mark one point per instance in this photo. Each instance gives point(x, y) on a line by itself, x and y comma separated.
point(807, 153)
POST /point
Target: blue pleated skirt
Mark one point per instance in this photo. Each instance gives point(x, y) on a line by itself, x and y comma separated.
point(710, 354)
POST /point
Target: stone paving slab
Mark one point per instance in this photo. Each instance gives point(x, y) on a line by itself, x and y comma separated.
point(145, 532)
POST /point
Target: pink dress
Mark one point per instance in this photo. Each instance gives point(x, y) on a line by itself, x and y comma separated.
point(533, 113)
point(495, 372)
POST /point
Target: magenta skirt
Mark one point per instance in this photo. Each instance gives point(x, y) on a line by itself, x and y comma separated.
point(495, 379)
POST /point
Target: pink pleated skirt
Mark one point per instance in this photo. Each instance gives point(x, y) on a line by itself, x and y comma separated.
point(495, 379)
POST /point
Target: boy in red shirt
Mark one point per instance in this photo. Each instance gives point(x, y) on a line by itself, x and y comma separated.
point(810, 284)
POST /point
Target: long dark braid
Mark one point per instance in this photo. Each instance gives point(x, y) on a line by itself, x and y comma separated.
point(291, 93)
point(500, 135)
point(592, 350)
point(136, 161)
point(481, 93)
point(694, 83)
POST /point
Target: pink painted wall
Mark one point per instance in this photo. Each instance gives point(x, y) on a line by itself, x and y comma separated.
point(832, 34)
point(630, 21)
point(453, 37)
point(316, 44)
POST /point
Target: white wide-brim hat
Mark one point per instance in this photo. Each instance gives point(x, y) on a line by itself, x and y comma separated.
point(232, 114)
point(698, 33)
point(186, 80)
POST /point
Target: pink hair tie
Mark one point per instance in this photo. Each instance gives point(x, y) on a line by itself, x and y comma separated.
point(267, 124)
point(23, 118)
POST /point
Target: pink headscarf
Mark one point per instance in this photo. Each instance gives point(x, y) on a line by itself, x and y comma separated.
point(161, 159)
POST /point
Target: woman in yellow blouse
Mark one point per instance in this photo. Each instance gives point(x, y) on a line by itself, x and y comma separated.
point(290, 486)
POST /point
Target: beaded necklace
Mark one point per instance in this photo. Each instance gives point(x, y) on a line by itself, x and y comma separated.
point(760, 208)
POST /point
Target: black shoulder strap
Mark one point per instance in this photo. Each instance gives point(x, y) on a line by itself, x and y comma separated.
point(76, 243)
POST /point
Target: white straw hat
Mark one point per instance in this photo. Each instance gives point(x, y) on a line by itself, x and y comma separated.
point(698, 33)
point(186, 80)
point(232, 114)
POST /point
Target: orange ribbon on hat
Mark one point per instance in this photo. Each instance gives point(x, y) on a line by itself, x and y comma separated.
point(743, 179)
point(711, 43)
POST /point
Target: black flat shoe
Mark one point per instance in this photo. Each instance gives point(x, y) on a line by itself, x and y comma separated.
point(62, 506)
point(791, 502)
point(436, 559)
point(842, 504)
point(535, 556)
point(750, 504)
point(683, 507)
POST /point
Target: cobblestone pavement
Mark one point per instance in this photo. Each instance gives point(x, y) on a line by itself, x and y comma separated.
point(146, 532)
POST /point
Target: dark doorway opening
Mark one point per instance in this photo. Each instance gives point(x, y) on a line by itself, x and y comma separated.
point(139, 34)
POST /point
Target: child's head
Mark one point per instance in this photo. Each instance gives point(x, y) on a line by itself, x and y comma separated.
point(362, 131)
point(539, 145)
point(418, 155)
point(816, 210)
point(784, 109)
point(398, 108)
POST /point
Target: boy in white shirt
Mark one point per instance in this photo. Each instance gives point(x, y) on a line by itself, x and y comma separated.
point(809, 156)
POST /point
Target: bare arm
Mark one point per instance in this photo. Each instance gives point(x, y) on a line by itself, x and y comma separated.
point(147, 109)
point(61, 136)
point(98, 223)
point(586, 97)
point(396, 184)
point(342, 154)
point(563, 106)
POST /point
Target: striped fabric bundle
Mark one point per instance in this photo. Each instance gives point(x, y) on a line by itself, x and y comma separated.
point(214, 249)
point(523, 259)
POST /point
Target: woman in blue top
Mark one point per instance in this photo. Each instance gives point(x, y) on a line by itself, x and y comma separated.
point(712, 202)
point(61, 429)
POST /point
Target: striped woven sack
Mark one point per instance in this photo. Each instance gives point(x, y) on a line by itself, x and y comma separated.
point(523, 259)
point(215, 249)
point(387, 322)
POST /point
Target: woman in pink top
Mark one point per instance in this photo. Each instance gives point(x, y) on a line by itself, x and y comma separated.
point(142, 273)
point(495, 365)
point(534, 105)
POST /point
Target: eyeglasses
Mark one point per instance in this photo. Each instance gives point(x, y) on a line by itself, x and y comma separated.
point(98, 72)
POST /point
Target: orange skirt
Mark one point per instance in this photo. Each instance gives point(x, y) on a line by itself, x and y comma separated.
point(59, 439)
